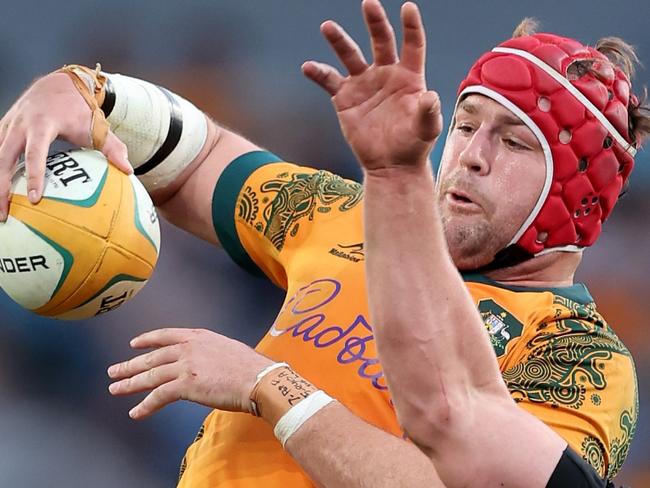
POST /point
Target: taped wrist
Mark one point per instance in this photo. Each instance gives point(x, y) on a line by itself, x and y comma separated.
point(162, 131)
point(285, 400)
point(90, 84)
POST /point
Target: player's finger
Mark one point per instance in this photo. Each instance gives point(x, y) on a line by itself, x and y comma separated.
point(157, 399)
point(147, 380)
point(4, 128)
point(36, 149)
point(144, 362)
point(414, 44)
point(429, 119)
point(117, 153)
point(5, 190)
point(382, 36)
point(324, 75)
point(348, 52)
point(10, 150)
point(161, 337)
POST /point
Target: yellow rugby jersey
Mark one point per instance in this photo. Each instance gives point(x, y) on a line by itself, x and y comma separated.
point(303, 229)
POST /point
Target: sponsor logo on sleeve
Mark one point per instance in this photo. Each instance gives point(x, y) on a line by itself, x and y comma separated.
point(352, 252)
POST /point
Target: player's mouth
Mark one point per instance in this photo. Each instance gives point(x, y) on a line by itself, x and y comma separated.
point(461, 201)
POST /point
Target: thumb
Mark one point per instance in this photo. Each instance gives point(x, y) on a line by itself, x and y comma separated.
point(429, 117)
point(117, 153)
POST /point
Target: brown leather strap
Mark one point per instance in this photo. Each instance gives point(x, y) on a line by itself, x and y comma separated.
point(94, 97)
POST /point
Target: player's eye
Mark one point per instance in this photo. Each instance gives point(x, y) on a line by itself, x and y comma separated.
point(515, 145)
point(465, 128)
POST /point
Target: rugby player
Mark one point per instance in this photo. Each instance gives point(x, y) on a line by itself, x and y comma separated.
point(571, 379)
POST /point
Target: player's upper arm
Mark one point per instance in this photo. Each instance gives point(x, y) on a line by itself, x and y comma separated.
point(190, 207)
point(579, 379)
point(274, 217)
point(263, 211)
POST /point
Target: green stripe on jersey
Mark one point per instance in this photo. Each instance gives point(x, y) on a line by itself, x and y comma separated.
point(577, 292)
point(224, 204)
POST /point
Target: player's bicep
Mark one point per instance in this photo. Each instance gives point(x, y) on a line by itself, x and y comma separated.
point(190, 208)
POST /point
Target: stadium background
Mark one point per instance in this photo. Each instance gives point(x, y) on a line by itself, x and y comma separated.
point(240, 61)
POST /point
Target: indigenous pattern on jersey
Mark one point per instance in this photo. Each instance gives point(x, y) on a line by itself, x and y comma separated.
point(303, 229)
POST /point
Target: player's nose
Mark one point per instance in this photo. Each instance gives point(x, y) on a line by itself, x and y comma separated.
point(475, 155)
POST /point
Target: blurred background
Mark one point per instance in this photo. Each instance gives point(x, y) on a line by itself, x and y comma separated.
point(239, 61)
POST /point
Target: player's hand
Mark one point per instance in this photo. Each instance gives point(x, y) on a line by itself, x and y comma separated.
point(385, 111)
point(51, 108)
point(188, 364)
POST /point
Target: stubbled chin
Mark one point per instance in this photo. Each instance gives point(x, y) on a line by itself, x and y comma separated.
point(471, 244)
point(470, 263)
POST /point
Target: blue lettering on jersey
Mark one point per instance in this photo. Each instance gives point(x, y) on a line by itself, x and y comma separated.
point(306, 308)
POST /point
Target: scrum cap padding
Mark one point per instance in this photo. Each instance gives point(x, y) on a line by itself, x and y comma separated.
point(579, 113)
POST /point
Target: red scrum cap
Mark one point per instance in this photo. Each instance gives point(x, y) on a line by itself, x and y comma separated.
point(580, 118)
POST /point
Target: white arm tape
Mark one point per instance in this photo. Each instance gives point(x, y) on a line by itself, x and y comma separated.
point(267, 370)
point(162, 131)
point(291, 421)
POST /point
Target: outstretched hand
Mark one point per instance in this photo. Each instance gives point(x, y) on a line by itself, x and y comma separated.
point(188, 364)
point(385, 111)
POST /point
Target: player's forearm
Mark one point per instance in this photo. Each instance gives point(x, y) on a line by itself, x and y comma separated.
point(164, 133)
point(168, 138)
point(431, 341)
point(336, 448)
point(176, 150)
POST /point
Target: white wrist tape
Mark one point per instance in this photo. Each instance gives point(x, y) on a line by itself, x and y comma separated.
point(267, 370)
point(291, 421)
point(261, 375)
point(162, 131)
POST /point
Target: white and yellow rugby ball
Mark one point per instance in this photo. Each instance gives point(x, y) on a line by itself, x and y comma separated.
point(89, 246)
